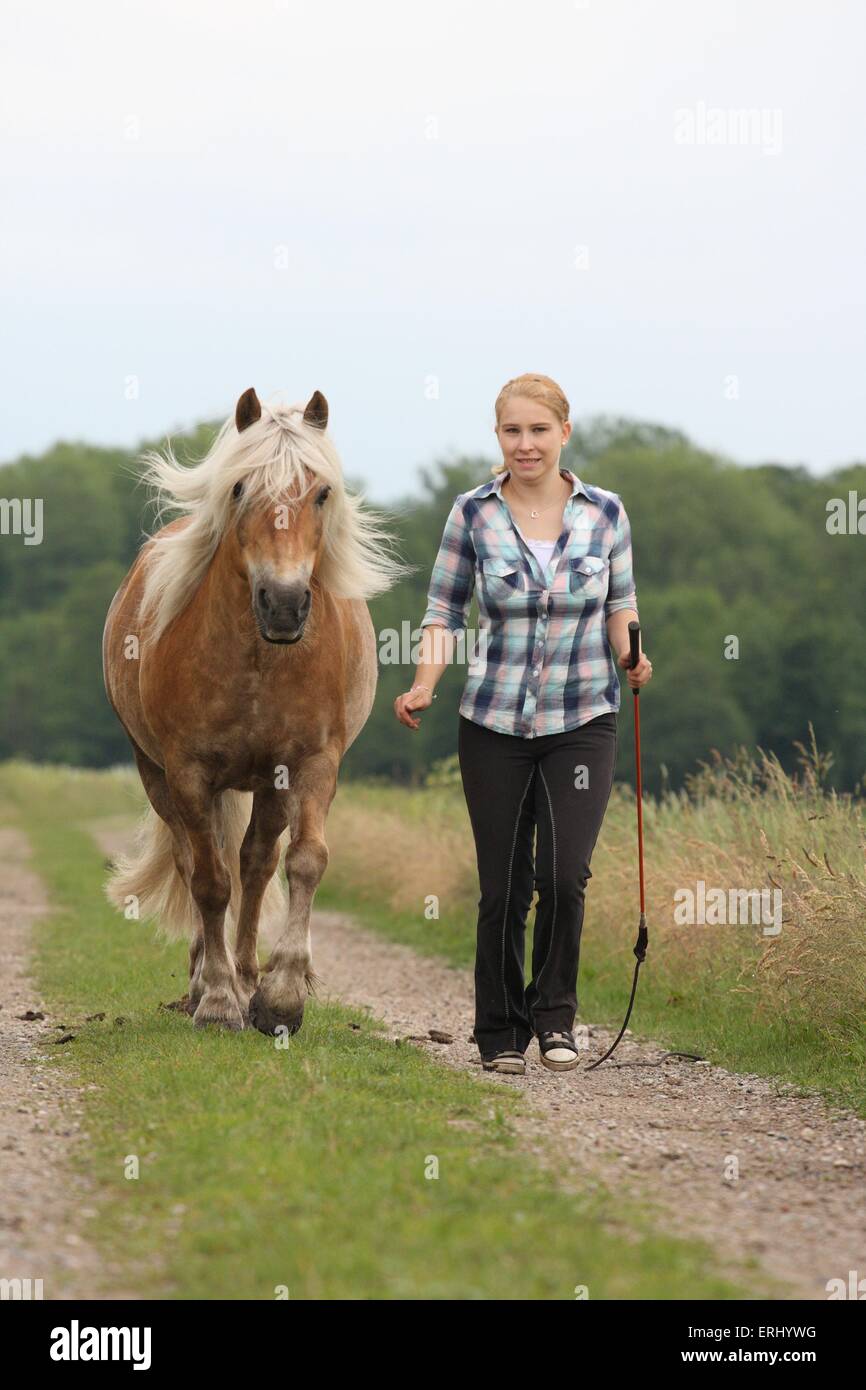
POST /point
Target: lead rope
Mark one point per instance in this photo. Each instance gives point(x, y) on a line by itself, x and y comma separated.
point(642, 934)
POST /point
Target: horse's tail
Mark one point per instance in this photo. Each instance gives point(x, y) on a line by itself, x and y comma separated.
point(147, 884)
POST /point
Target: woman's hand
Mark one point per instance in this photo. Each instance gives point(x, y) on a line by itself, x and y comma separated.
point(420, 698)
point(642, 673)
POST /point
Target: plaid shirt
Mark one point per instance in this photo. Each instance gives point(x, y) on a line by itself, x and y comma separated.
point(548, 664)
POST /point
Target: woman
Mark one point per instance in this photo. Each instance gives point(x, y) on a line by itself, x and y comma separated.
point(537, 736)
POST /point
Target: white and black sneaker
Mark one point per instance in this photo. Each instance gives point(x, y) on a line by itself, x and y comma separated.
point(557, 1050)
point(513, 1062)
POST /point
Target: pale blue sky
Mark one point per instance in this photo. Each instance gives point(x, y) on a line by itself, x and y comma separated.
point(388, 201)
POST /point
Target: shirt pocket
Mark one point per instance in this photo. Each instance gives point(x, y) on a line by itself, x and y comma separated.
point(502, 578)
point(588, 576)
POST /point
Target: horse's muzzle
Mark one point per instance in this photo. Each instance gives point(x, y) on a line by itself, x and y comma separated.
point(281, 611)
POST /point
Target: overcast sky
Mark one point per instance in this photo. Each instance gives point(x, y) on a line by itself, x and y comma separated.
point(407, 205)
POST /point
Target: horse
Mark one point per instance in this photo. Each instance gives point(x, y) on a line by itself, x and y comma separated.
point(240, 657)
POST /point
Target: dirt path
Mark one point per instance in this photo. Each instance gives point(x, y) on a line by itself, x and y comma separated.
point(798, 1204)
point(729, 1158)
point(41, 1204)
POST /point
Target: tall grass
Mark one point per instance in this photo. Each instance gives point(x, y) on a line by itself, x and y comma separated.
point(744, 823)
point(790, 1004)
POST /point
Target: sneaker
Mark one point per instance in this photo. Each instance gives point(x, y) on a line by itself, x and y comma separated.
point(558, 1050)
point(505, 1061)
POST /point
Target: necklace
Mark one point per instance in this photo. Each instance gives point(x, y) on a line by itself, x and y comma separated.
point(538, 511)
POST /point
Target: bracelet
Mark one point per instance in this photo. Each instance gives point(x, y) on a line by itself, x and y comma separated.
point(420, 686)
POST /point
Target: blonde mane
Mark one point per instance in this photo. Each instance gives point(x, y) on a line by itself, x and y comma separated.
point(269, 457)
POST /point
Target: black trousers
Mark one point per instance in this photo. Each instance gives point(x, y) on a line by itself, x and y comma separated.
point(557, 785)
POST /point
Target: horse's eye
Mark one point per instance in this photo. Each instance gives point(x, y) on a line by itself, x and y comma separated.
point(322, 495)
point(237, 489)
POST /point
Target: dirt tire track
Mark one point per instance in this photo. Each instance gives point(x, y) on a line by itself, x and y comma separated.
point(43, 1204)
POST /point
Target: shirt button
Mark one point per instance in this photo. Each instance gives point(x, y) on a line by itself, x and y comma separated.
point(535, 671)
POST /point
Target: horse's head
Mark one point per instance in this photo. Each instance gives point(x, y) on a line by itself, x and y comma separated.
point(269, 499)
point(278, 536)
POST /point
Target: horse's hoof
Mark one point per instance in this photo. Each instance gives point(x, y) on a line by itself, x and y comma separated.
point(220, 1009)
point(268, 1020)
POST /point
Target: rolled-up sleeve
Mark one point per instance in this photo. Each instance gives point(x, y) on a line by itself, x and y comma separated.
point(621, 590)
point(453, 578)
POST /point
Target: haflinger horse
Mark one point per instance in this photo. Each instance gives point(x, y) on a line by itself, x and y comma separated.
point(240, 657)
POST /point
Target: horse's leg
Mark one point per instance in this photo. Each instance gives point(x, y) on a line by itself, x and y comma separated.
point(260, 854)
point(282, 991)
point(210, 886)
point(154, 781)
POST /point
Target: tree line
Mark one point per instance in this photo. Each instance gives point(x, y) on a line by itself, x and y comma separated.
point(721, 552)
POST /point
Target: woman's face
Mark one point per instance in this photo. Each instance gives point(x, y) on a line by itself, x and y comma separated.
point(531, 438)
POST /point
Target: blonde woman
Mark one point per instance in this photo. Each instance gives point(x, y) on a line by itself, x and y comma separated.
point(550, 557)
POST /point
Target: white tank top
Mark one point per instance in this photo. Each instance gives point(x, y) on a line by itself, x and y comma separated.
point(542, 550)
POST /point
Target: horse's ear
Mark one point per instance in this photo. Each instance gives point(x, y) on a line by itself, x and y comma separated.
point(316, 412)
point(248, 409)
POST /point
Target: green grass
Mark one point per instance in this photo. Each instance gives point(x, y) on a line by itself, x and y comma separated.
point(304, 1166)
